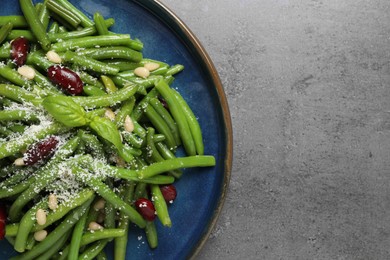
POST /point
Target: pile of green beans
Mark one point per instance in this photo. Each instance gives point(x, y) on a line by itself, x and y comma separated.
point(117, 140)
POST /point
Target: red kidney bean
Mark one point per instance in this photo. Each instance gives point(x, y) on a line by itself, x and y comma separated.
point(40, 151)
point(146, 208)
point(19, 50)
point(65, 78)
point(169, 192)
point(3, 220)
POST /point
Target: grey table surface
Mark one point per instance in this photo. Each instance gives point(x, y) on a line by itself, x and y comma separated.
point(308, 85)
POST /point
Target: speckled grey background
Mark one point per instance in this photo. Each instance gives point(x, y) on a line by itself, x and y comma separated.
point(308, 83)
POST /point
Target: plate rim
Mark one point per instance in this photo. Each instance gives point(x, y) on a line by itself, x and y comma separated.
point(178, 26)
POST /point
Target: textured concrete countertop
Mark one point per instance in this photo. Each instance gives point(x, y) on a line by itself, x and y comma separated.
point(308, 83)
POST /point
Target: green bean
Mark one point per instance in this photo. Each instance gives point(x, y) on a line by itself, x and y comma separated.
point(89, 63)
point(53, 28)
point(4, 31)
point(17, 21)
point(105, 233)
point(160, 205)
point(157, 138)
point(177, 113)
point(151, 234)
point(17, 128)
point(106, 100)
point(11, 115)
point(126, 174)
point(62, 29)
point(123, 64)
point(110, 196)
point(139, 108)
point(38, 58)
point(26, 225)
point(12, 75)
point(62, 255)
point(30, 243)
point(17, 176)
point(85, 21)
point(64, 13)
point(152, 152)
point(148, 82)
point(92, 213)
point(92, 251)
point(163, 112)
point(174, 70)
point(109, 84)
point(93, 144)
point(76, 237)
point(167, 154)
point(13, 34)
point(93, 91)
point(56, 37)
point(38, 7)
point(18, 94)
point(125, 110)
point(193, 123)
point(118, 52)
point(120, 243)
point(15, 145)
point(77, 200)
point(177, 163)
point(92, 41)
point(88, 79)
point(160, 124)
point(133, 139)
point(99, 24)
point(43, 16)
point(35, 24)
point(48, 254)
point(70, 220)
point(5, 51)
point(109, 210)
point(102, 256)
point(11, 230)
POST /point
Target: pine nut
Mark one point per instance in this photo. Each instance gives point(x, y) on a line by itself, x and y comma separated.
point(53, 57)
point(99, 205)
point(93, 226)
point(41, 217)
point(40, 235)
point(109, 114)
point(142, 72)
point(26, 72)
point(52, 203)
point(129, 125)
point(19, 162)
point(151, 66)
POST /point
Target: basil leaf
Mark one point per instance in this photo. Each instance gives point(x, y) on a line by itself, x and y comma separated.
point(65, 110)
point(107, 130)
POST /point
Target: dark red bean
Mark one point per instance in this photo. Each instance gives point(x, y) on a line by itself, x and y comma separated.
point(146, 208)
point(3, 220)
point(169, 192)
point(65, 78)
point(40, 151)
point(19, 51)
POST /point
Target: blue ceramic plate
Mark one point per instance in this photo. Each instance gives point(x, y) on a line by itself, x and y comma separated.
point(200, 191)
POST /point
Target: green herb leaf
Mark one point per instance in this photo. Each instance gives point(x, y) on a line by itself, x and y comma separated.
point(65, 110)
point(106, 129)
